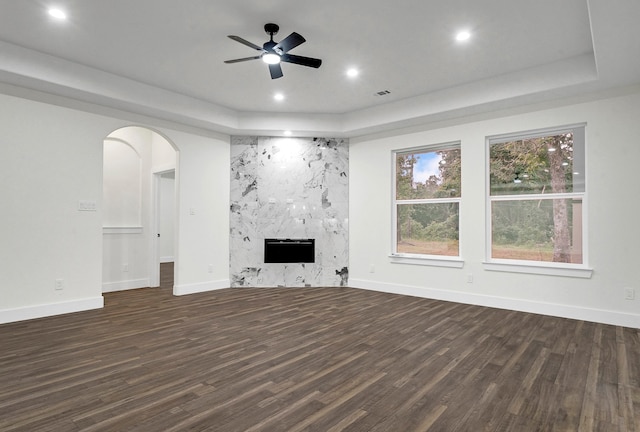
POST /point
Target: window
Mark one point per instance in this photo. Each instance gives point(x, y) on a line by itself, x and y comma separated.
point(427, 201)
point(536, 194)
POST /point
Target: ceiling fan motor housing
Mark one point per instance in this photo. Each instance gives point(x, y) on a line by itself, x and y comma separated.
point(272, 29)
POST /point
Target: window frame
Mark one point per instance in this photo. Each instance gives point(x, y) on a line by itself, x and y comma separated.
point(455, 261)
point(581, 270)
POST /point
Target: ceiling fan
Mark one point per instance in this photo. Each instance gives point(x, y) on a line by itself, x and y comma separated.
point(273, 53)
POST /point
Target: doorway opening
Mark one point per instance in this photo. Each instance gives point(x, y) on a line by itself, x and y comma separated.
point(164, 225)
point(139, 178)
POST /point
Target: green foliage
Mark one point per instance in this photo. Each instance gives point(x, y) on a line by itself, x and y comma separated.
point(522, 223)
point(404, 175)
point(438, 221)
point(535, 162)
point(444, 230)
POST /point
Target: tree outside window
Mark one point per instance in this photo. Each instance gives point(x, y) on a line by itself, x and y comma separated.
point(536, 192)
point(427, 201)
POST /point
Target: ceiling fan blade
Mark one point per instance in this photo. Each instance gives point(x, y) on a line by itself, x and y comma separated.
point(275, 70)
point(288, 43)
point(300, 60)
point(242, 59)
point(245, 42)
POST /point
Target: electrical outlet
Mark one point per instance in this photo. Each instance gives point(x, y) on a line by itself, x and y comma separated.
point(372, 268)
point(125, 268)
point(469, 278)
point(59, 284)
point(210, 268)
point(629, 294)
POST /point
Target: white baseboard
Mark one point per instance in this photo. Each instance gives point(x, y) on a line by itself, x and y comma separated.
point(45, 310)
point(125, 285)
point(166, 259)
point(185, 289)
point(541, 308)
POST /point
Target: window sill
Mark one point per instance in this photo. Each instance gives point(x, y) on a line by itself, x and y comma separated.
point(121, 230)
point(427, 260)
point(539, 269)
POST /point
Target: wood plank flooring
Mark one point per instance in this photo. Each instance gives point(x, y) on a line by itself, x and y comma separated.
point(314, 359)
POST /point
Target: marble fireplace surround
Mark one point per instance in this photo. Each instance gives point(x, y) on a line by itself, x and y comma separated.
point(289, 188)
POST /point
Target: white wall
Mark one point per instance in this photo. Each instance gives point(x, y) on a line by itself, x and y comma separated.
point(52, 159)
point(203, 179)
point(121, 185)
point(163, 155)
point(613, 152)
point(166, 216)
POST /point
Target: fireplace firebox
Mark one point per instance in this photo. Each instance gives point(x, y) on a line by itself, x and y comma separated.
point(289, 250)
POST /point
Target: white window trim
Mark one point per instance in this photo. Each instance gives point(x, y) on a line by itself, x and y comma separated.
point(539, 268)
point(535, 267)
point(427, 260)
point(534, 133)
point(122, 230)
point(422, 259)
point(534, 197)
point(429, 201)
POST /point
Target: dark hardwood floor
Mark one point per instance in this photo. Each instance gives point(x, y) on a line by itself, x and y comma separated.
point(166, 275)
point(314, 359)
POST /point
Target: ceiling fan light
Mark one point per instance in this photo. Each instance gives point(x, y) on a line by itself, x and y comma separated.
point(271, 58)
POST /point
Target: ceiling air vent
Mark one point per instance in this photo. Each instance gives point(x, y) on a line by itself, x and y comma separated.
point(382, 93)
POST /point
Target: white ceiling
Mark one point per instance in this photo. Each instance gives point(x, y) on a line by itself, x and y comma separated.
point(164, 58)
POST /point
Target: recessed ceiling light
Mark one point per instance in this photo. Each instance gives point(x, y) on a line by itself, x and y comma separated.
point(58, 14)
point(463, 36)
point(287, 133)
point(352, 72)
point(278, 96)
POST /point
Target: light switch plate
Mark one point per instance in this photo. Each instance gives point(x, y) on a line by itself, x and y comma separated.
point(84, 205)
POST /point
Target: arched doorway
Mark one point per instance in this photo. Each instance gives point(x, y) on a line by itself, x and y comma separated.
point(139, 200)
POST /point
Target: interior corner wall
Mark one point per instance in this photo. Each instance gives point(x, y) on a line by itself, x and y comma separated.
point(53, 160)
point(289, 188)
point(611, 209)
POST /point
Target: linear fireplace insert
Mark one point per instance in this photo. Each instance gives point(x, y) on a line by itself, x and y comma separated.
point(289, 250)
